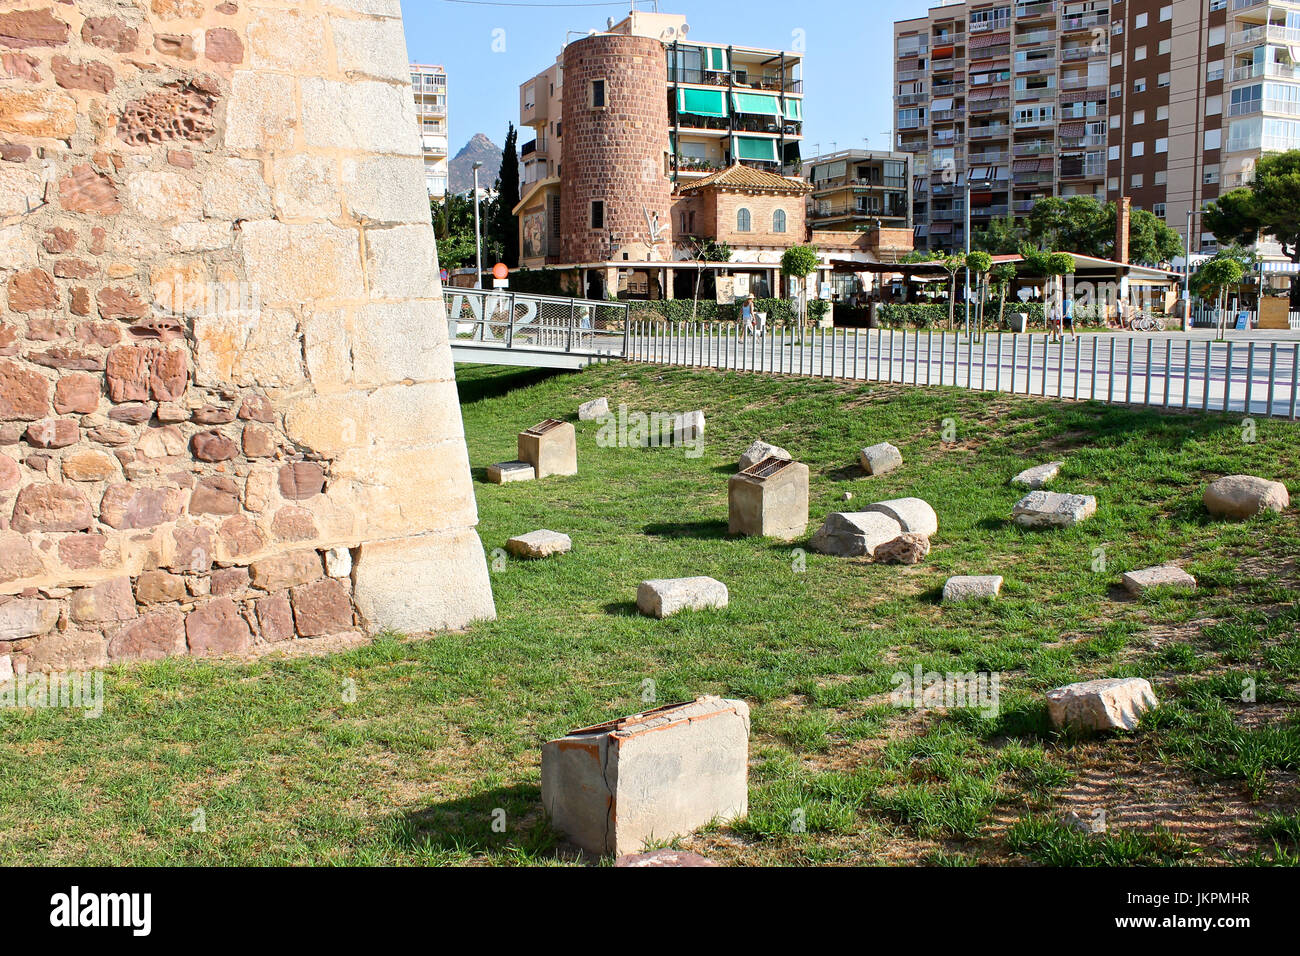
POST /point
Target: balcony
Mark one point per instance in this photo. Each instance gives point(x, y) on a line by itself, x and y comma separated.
point(999, 52)
point(1273, 33)
point(906, 76)
point(995, 211)
point(1030, 11)
point(1085, 21)
point(725, 78)
point(528, 148)
point(993, 130)
point(989, 157)
point(1079, 111)
point(986, 26)
point(994, 105)
point(911, 99)
point(944, 116)
point(1036, 36)
point(1075, 53)
point(1040, 93)
point(1024, 206)
point(1082, 170)
point(1038, 178)
point(1256, 70)
point(1036, 148)
point(948, 65)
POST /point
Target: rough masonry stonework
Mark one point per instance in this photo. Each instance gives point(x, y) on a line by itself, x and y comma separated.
point(223, 354)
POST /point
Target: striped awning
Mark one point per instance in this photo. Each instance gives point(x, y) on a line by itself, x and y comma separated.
point(988, 39)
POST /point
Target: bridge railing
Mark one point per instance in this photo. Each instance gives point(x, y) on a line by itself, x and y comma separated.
point(499, 318)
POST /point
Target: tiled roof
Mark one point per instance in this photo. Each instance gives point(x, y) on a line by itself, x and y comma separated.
point(739, 176)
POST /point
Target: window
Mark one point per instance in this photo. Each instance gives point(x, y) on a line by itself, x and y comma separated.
point(1214, 71)
point(1114, 153)
point(597, 94)
point(1139, 117)
point(1162, 144)
point(598, 214)
point(743, 220)
point(1160, 178)
point(1139, 21)
point(1213, 138)
point(1117, 59)
point(1162, 80)
point(1116, 90)
point(1159, 209)
point(1139, 86)
point(1218, 35)
point(1166, 13)
point(1164, 47)
point(1162, 114)
point(1139, 53)
point(1139, 148)
point(1136, 181)
point(1210, 175)
point(1113, 184)
point(778, 221)
point(1116, 121)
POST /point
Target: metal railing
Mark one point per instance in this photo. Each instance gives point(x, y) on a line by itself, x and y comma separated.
point(1169, 372)
point(515, 320)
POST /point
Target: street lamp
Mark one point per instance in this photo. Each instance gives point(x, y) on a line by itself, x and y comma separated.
point(478, 235)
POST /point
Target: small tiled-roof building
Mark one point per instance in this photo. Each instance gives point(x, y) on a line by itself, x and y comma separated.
point(744, 207)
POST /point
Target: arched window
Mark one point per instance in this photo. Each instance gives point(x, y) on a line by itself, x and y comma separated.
point(742, 220)
point(778, 221)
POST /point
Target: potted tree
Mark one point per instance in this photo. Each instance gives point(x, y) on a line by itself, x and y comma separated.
point(797, 263)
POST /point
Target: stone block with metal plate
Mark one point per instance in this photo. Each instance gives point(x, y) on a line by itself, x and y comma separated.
point(769, 499)
point(551, 447)
point(616, 787)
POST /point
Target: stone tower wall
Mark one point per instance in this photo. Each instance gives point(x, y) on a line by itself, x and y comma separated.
point(223, 352)
point(606, 149)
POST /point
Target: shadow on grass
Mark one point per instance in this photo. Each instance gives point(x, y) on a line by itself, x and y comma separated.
point(688, 529)
point(465, 825)
point(481, 387)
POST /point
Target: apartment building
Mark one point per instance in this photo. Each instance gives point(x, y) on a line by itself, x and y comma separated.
point(1166, 101)
point(429, 83)
point(857, 189)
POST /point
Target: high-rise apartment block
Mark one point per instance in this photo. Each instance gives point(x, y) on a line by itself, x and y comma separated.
point(429, 84)
point(1169, 102)
point(860, 189)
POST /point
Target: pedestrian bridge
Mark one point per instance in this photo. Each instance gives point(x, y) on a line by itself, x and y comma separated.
point(498, 327)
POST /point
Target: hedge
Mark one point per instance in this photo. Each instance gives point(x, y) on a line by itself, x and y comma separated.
point(679, 310)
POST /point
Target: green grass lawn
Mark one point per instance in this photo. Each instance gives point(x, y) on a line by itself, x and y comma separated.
point(445, 732)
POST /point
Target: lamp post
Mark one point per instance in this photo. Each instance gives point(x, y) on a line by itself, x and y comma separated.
point(478, 235)
point(1187, 271)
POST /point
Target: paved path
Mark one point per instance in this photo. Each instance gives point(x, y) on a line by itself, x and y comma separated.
point(1254, 371)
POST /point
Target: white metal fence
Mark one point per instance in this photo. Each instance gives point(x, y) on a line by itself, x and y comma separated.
point(1206, 316)
point(1166, 371)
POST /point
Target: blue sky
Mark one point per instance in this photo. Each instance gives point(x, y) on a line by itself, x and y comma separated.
point(848, 70)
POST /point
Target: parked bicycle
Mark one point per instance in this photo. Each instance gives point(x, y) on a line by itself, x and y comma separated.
point(1146, 322)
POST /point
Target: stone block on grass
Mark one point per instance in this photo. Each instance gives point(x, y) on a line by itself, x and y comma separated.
point(509, 471)
point(1244, 496)
point(912, 514)
point(551, 447)
point(881, 458)
point(854, 534)
point(616, 787)
point(1038, 476)
point(593, 410)
point(662, 597)
point(769, 500)
point(539, 544)
point(1050, 509)
point(971, 587)
point(908, 548)
point(1163, 576)
point(1113, 703)
point(688, 427)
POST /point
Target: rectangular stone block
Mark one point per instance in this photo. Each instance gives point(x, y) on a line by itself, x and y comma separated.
point(613, 788)
point(402, 262)
point(769, 500)
point(432, 582)
point(663, 597)
point(374, 48)
point(509, 471)
point(551, 447)
point(365, 115)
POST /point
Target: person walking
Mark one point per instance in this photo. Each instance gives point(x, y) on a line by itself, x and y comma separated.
point(1067, 321)
point(1054, 317)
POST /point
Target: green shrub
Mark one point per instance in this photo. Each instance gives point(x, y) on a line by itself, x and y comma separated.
point(778, 311)
point(912, 316)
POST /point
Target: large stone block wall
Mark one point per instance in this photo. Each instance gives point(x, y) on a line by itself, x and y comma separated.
point(223, 354)
point(606, 148)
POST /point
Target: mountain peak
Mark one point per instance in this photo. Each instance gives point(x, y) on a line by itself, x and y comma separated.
point(460, 170)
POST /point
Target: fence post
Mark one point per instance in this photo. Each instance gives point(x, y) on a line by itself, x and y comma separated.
point(1295, 377)
point(573, 308)
point(1128, 379)
point(997, 378)
point(1015, 359)
point(1272, 376)
point(1250, 375)
point(1209, 371)
point(1187, 371)
point(1092, 383)
point(1227, 380)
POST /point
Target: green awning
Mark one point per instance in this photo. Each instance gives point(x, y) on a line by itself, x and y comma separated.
point(762, 104)
point(718, 59)
point(754, 147)
point(702, 102)
point(794, 109)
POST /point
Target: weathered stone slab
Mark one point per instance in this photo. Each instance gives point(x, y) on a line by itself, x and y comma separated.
point(613, 788)
point(27, 617)
point(1163, 576)
point(912, 514)
point(769, 500)
point(1113, 703)
point(1244, 496)
point(662, 597)
point(539, 544)
point(432, 582)
point(854, 534)
point(881, 458)
point(1050, 509)
point(1038, 476)
point(509, 471)
point(965, 587)
point(759, 450)
point(595, 409)
point(551, 447)
point(908, 548)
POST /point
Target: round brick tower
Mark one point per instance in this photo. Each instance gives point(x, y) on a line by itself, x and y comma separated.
point(614, 153)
